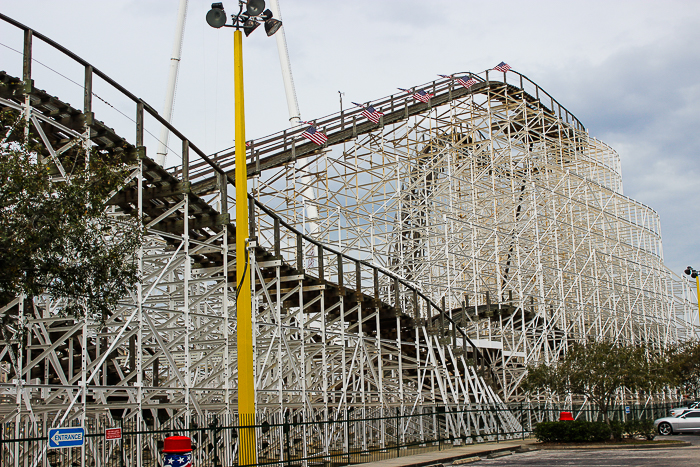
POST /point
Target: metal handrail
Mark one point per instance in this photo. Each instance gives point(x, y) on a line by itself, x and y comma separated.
point(346, 118)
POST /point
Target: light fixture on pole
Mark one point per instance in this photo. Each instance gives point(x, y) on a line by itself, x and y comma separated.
point(695, 275)
point(216, 17)
point(248, 21)
point(271, 24)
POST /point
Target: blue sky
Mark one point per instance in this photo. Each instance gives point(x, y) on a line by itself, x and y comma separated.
point(626, 69)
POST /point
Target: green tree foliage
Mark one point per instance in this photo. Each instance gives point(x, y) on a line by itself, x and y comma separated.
point(683, 361)
point(597, 369)
point(56, 234)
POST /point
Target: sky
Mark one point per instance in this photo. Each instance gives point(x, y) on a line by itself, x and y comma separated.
point(626, 69)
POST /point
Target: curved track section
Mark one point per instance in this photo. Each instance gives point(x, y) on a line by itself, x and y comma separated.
point(496, 202)
point(334, 333)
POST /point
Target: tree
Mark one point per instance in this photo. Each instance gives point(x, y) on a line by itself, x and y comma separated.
point(56, 235)
point(683, 361)
point(596, 370)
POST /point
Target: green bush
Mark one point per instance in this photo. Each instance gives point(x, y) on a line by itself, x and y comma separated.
point(571, 432)
point(641, 428)
point(617, 428)
point(582, 432)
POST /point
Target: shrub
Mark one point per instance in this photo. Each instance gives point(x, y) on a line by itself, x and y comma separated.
point(617, 428)
point(641, 428)
point(599, 431)
point(572, 432)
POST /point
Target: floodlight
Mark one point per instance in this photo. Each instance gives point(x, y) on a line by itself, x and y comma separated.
point(255, 7)
point(688, 270)
point(694, 274)
point(267, 14)
point(250, 26)
point(272, 25)
point(216, 17)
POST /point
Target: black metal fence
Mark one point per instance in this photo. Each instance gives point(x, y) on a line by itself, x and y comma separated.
point(353, 437)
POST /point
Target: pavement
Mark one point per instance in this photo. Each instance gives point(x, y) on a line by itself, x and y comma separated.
point(684, 451)
point(681, 456)
point(448, 456)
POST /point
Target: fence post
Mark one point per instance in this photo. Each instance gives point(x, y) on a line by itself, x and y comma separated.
point(121, 443)
point(439, 428)
point(286, 436)
point(498, 425)
point(214, 425)
point(347, 432)
point(522, 421)
point(398, 443)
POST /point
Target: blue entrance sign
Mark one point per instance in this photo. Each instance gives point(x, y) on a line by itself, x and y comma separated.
point(66, 437)
point(627, 409)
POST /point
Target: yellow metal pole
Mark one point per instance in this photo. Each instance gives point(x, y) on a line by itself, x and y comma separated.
point(246, 388)
point(697, 288)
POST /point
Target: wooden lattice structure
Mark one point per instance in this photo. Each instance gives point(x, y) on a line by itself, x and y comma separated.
point(419, 262)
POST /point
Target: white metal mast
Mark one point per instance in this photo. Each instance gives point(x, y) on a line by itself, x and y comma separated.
point(293, 108)
point(172, 80)
point(292, 104)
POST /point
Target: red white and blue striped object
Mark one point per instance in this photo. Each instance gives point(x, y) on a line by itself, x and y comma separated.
point(370, 112)
point(466, 83)
point(463, 81)
point(503, 66)
point(314, 135)
point(419, 95)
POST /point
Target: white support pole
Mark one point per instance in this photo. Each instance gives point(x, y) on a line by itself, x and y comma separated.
point(292, 104)
point(293, 108)
point(172, 81)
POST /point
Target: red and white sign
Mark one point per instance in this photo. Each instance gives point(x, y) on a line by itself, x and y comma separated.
point(113, 433)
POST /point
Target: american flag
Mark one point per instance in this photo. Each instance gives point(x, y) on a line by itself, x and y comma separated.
point(463, 81)
point(503, 66)
point(178, 460)
point(314, 135)
point(420, 95)
point(370, 112)
point(466, 83)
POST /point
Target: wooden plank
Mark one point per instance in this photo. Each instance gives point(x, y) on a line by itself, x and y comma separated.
point(160, 192)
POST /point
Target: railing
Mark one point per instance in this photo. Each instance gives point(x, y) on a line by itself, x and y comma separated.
point(356, 437)
point(348, 123)
point(296, 441)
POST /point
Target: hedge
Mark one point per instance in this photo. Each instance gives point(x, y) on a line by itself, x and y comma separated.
point(581, 431)
point(572, 432)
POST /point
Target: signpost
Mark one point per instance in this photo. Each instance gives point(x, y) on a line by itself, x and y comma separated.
point(66, 437)
point(113, 434)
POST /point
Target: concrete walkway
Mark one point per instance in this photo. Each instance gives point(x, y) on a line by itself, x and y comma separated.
point(449, 455)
